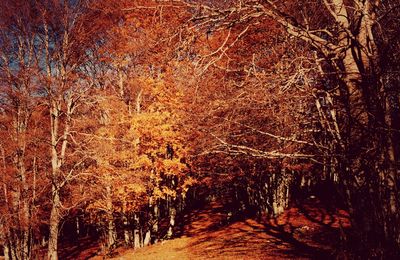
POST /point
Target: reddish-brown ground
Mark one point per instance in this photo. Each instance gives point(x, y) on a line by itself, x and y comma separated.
point(307, 233)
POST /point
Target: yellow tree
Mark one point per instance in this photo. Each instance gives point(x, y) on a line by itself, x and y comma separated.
point(140, 161)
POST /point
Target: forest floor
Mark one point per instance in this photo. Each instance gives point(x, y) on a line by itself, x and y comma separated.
point(306, 232)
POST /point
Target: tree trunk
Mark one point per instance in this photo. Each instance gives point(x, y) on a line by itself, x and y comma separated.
point(78, 227)
point(111, 232)
point(172, 215)
point(12, 248)
point(136, 231)
point(155, 223)
point(6, 251)
point(147, 238)
point(127, 231)
point(54, 225)
point(154, 220)
point(5, 243)
point(128, 237)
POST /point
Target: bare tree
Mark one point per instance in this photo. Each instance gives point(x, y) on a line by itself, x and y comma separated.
point(351, 101)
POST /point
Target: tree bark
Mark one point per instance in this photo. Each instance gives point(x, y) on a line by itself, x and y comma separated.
point(111, 232)
point(147, 238)
point(155, 218)
point(6, 251)
point(128, 237)
point(136, 231)
point(54, 225)
point(172, 215)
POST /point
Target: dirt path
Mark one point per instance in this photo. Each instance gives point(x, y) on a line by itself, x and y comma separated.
point(307, 233)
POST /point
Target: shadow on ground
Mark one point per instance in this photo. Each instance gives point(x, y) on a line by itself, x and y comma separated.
point(85, 248)
point(309, 232)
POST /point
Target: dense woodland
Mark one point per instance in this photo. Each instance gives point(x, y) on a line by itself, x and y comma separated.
point(117, 116)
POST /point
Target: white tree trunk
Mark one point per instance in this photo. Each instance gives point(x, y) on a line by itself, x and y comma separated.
point(136, 232)
point(172, 215)
point(128, 237)
point(54, 226)
point(6, 251)
point(147, 238)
